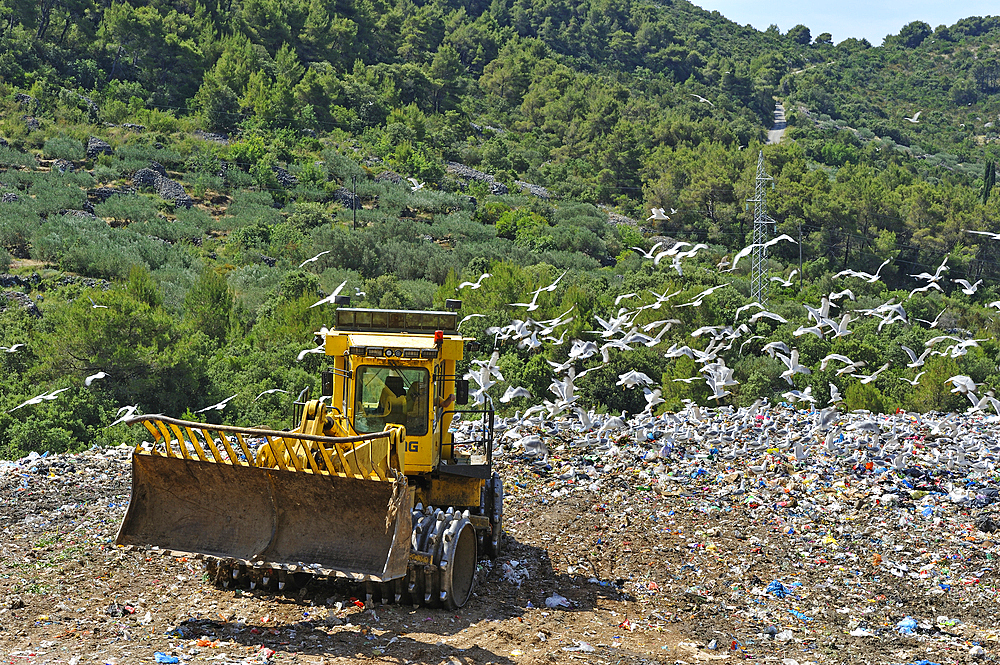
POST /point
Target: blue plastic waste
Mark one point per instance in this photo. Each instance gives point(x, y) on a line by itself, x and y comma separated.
point(907, 626)
point(164, 658)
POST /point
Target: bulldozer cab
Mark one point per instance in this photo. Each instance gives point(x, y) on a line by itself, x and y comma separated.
point(386, 395)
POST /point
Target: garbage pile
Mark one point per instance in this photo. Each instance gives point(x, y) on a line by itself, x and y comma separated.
point(799, 536)
point(810, 536)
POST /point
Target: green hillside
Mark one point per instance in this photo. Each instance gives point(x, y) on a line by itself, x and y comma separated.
point(166, 167)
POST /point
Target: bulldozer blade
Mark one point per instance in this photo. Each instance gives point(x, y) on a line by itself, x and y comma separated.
point(287, 520)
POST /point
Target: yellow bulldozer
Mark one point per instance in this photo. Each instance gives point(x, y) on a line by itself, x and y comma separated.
point(370, 485)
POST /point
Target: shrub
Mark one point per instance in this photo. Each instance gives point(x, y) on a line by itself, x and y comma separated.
point(63, 147)
point(11, 157)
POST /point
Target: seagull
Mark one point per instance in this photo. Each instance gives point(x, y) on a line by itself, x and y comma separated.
point(40, 398)
point(924, 289)
point(915, 361)
point(476, 284)
point(871, 377)
point(315, 258)
point(416, 184)
point(552, 287)
point(128, 412)
point(786, 282)
point(835, 394)
point(94, 377)
point(218, 407)
point(871, 279)
point(659, 214)
point(330, 298)
point(513, 392)
point(792, 363)
point(915, 119)
point(470, 316)
point(268, 392)
point(531, 306)
point(632, 378)
point(769, 315)
point(12, 348)
point(650, 253)
point(969, 289)
point(934, 323)
point(302, 354)
point(840, 294)
point(962, 384)
point(94, 305)
point(701, 99)
point(989, 234)
point(915, 380)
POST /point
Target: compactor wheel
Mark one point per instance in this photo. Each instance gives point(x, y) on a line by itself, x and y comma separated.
point(450, 539)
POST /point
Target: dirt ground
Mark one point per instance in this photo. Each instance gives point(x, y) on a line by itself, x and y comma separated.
point(637, 574)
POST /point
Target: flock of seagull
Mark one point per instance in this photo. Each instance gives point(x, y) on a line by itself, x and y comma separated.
point(622, 332)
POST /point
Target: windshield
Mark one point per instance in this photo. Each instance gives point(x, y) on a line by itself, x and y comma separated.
point(396, 395)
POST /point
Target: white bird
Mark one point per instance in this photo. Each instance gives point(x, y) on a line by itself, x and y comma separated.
point(786, 282)
point(513, 392)
point(552, 287)
point(792, 363)
point(330, 298)
point(416, 184)
point(989, 234)
point(962, 384)
point(632, 378)
point(624, 296)
point(319, 349)
point(915, 119)
point(531, 306)
point(915, 380)
point(218, 407)
point(94, 305)
point(701, 296)
point(470, 316)
point(701, 99)
point(840, 294)
point(814, 330)
point(40, 398)
point(773, 347)
point(659, 214)
point(12, 348)
point(653, 398)
point(94, 377)
point(871, 377)
point(315, 258)
point(124, 413)
point(650, 253)
point(476, 284)
point(924, 289)
point(969, 289)
point(871, 279)
point(768, 315)
point(834, 394)
point(269, 392)
point(915, 361)
point(934, 323)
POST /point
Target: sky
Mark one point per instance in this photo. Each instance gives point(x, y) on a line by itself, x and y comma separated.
point(872, 20)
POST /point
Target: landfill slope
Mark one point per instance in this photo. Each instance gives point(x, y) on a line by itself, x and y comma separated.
point(621, 548)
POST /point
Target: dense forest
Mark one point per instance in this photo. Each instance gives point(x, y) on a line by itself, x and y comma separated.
point(167, 167)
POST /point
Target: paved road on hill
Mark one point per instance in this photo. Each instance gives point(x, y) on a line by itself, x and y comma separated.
point(775, 133)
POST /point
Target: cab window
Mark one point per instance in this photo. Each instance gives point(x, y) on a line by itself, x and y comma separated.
point(391, 395)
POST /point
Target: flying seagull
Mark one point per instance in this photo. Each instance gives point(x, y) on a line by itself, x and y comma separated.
point(915, 119)
point(658, 214)
point(40, 398)
point(330, 298)
point(94, 305)
point(218, 407)
point(476, 284)
point(94, 377)
point(702, 99)
point(315, 258)
point(12, 348)
point(416, 184)
point(269, 392)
